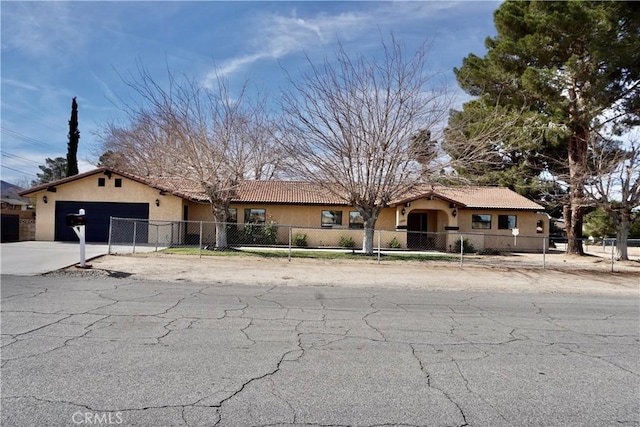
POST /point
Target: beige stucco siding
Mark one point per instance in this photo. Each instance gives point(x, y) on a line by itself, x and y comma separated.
point(297, 215)
point(304, 219)
point(87, 190)
point(528, 239)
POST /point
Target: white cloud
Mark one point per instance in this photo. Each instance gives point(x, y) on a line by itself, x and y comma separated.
point(42, 29)
point(18, 84)
point(106, 89)
point(274, 36)
point(85, 166)
point(278, 36)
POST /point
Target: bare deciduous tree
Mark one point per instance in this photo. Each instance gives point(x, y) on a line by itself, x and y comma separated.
point(351, 124)
point(615, 184)
point(208, 138)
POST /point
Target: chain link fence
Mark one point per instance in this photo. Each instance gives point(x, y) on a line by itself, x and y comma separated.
point(126, 234)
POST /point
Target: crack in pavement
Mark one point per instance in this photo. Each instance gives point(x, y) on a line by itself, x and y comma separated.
point(258, 378)
point(444, 393)
point(298, 330)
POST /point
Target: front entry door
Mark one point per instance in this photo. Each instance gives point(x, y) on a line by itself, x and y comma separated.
point(417, 237)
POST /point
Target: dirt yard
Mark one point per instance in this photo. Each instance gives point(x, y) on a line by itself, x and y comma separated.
point(564, 274)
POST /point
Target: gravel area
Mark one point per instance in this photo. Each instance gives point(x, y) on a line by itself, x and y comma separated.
point(564, 275)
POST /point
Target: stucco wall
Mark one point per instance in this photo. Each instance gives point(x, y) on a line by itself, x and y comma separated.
point(440, 215)
point(297, 215)
point(87, 190)
point(306, 220)
point(528, 239)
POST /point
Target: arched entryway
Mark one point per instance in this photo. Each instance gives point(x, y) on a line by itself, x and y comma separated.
point(422, 226)
point(417, 228)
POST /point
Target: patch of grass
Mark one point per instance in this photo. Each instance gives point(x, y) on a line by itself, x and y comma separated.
point(309, 253)
point(205, 252)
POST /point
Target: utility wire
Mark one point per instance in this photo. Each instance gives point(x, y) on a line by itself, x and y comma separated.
point(25, 138)
point(19, 171)
point(13, 156)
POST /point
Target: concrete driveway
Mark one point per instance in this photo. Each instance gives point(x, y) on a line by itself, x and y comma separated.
point(37, 257)
point(32, 258)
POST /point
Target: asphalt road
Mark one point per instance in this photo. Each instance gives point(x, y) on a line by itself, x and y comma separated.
point(116, 351)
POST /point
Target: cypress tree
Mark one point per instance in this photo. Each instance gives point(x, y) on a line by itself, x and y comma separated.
point(74, 138)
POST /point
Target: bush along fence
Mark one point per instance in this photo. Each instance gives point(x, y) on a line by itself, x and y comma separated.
point(126, 234)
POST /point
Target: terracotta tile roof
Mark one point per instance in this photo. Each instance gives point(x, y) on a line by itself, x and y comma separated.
point(180, 187)
point(307, 193)
point(282, 192)
point(474, 197)
point(286, 192)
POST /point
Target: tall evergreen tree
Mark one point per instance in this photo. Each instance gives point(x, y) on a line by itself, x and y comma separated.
point(74, 138)
point(573, 67)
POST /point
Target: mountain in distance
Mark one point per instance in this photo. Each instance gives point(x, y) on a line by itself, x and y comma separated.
point(10, 191)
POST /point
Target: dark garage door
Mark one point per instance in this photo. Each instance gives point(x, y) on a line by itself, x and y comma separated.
point(98, 215)
point(10, 228)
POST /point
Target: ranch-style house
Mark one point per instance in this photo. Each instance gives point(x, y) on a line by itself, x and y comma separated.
point(431, 217)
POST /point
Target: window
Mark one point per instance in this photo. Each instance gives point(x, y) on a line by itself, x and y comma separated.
point(331, 218)
point(233, 215)
point(355, 220)
point(507, 222)
point(101, 182)
point(481, 221)
point(540, 226)
point(256, 216)
point(118, 182)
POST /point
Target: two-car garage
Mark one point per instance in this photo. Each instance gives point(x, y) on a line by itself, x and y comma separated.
point(98, 216)
point(106, 193)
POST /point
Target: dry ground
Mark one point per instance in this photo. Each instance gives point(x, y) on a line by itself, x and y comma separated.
point(564, 274)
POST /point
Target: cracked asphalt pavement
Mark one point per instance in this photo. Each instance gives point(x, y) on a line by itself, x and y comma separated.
point(125, 351)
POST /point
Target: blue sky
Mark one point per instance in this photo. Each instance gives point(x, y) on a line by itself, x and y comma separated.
point(53, 51)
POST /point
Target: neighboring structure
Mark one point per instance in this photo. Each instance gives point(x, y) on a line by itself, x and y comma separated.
point(432, 217)
point(18, 220)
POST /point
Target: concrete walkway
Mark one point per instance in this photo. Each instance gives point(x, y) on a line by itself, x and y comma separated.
point(37, 257)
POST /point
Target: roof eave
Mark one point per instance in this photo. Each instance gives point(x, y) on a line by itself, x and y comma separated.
point(430, 194)
point(50, 186)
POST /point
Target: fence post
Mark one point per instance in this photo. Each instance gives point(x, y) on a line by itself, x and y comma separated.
point(379, 246)
point(290, 241)
point(135, 224)
point(613, 249)
point(544, 253)
point(200, 241)
point(157, 235)
point(461, 249)
point(110, 231)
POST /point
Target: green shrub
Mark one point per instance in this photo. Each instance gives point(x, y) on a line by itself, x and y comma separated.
point(271, 233)
point(347, 242)
point(489, 251)
point(467, 247)
point(300, 240)
point(395, 244)
point(258, 234)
